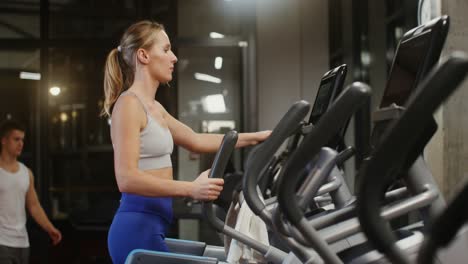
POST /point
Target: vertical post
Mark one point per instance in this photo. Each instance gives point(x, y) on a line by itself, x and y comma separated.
point(360, 52)
point(41, 120)
point(449, 154)
point(249, 89)
point(41, 110)
point(377, 51)
point(249, 69)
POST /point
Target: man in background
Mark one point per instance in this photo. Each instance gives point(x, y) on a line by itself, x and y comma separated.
point(16, 194)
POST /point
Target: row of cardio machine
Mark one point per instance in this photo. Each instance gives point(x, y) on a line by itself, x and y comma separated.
point(294, 180)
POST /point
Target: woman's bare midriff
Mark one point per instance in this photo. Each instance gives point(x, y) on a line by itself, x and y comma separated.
point(163, 173)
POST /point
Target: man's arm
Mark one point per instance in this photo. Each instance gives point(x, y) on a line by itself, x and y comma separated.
point(36, 211)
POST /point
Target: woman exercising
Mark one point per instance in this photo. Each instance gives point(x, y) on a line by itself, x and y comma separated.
point(143, 134)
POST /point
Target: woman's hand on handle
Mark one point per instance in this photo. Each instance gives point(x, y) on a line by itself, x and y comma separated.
point(250, 139)
point(262, 135)
point(206, 189)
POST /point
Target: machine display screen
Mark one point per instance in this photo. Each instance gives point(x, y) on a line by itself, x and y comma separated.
point(322, 101)
point(407, 67)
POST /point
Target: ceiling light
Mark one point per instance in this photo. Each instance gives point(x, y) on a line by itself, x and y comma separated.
point(55, 91)
point(30, 76)
point(243, 44)
point(206, 78)
point(218, 63)
point(216, 35)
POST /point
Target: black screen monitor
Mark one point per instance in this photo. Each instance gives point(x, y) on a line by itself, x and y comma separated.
point(418, 52)
point(322, 100)
point(330, 87)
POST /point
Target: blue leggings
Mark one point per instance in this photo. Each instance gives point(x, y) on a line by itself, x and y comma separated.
point(135, 230)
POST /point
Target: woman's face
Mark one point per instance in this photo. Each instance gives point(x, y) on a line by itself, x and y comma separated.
point(161, 58)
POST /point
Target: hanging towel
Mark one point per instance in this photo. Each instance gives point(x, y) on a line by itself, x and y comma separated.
point(249, 224)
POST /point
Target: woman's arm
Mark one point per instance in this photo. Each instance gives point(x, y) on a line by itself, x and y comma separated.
point(185, 137)
point(211, 142)
point(127, 120)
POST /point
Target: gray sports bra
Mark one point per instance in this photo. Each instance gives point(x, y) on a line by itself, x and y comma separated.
point(156, 143)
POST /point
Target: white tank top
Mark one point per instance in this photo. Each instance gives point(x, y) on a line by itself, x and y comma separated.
point(13, 189)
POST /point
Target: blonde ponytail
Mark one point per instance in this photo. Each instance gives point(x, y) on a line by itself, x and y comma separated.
point(113, 81)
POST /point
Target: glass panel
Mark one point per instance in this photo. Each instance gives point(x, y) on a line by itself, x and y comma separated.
point(81, 156)
point(336, 33)
point(101, 19)
point(19, 19)
point(19, 72)
point(209, 98)
point(20, 60)
point(223, 17)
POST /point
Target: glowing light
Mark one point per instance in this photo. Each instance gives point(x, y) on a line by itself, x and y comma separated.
point(63, 117)
point(206, 78)
point(216, 35)
point(214, 103)
point(218, 63)
point(30, 76)
point(55, 91)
